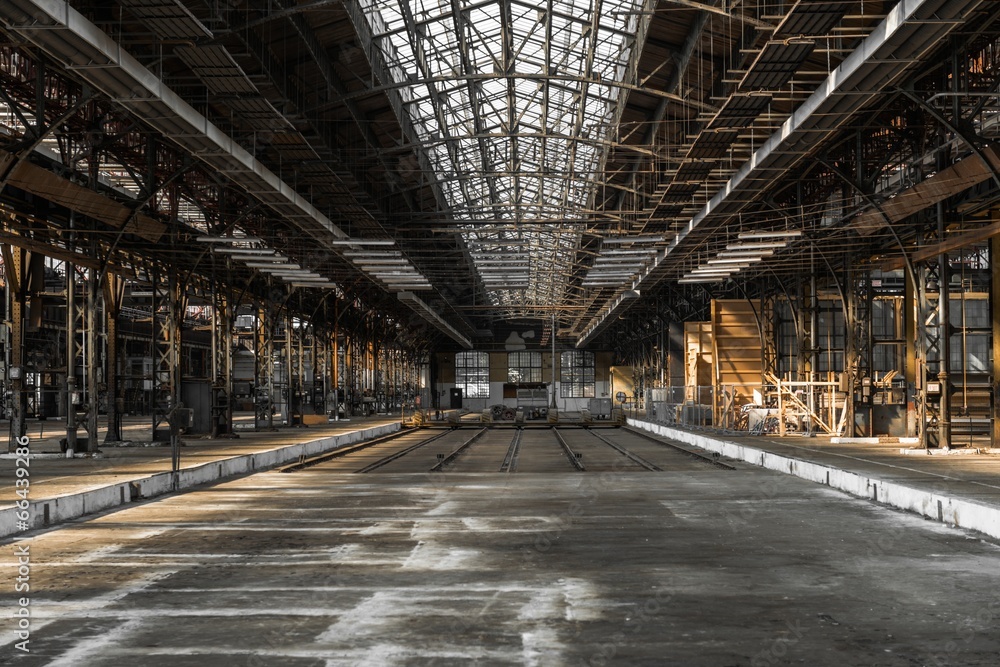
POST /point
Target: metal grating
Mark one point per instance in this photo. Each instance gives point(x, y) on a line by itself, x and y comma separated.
point(217, 70)
point(775, 65)
point(712, 145)
point(169, 19)
point(740, 111)
point(809, 17)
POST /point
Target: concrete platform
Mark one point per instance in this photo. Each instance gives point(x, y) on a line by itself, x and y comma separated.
point(317, 568)
point(61, 489)
point(961, 490)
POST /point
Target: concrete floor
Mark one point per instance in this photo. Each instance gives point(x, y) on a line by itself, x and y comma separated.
point(53, 475)
point(700, 566)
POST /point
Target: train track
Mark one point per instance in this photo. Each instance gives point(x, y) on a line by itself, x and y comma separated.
point(710, 459)
point(510, 459)
point(573, 457)
point(446, 461)
point(303, 462)
point(631, 456)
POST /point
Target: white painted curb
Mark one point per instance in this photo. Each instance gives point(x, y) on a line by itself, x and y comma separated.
point(947, 509)
point(49, 511)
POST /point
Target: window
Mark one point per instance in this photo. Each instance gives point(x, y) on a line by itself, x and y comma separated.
point(831, 338)
point(472, 374)
point(887, 351)
point(577, 374)
point(524, 367)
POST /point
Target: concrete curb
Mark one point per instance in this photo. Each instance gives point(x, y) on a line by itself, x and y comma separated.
point(49, 511)
point(927, 503)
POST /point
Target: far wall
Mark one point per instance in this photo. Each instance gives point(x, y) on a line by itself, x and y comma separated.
point(445, 367)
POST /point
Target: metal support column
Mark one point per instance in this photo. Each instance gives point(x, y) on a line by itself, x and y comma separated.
point(15, 264)
point(72, 312)
point(264, 353)
point(114, 291)
point(995, 322)
point(91, 358)
point(167, 312)
point(222, 355)
point(291, 371)
point(944, 337)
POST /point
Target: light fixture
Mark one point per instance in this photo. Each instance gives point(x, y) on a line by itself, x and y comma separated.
point(374, 262)
point(271, 265)
point(373, 253)
point(734, 260)
point(260, 258)
point(771, 235)
point(373, 242)
point(747, 253)
point(227, 239)
point(629, 251)
point(706, 279)
point(632, 239)
point(619, 261)
point(756, 246)
point(237, 250)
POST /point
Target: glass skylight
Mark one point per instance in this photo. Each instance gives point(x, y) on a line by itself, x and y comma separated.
point(511, 103)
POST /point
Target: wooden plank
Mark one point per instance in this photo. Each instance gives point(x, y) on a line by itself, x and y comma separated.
point(957, 241)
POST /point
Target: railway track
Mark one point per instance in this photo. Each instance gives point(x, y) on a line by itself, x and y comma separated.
point(485, 450)
point(510, 459)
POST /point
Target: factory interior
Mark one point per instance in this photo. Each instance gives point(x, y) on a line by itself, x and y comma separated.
point(491, 332)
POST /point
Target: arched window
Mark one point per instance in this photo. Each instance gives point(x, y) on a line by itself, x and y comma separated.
point(472, 374)
point(576, 378)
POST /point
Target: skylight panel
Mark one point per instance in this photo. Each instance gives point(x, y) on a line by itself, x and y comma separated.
point(490, 163)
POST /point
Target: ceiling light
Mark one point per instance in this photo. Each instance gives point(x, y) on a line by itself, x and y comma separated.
point(630, 251)
point(227, 239)
point(706, 279)
point(633, 239)
point(756, 246)
point(259, 258)
point(734, 260)
point(620, 261)
point(362, 242)
point(745, 253)
point(271, 265)
point(234, 250)
point(771, 235)
point(373, 253)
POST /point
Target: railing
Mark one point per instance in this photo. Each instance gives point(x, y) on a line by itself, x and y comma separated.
point(681, 406)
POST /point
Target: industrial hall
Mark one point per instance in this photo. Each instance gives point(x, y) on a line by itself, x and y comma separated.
point(403, 333)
